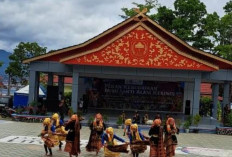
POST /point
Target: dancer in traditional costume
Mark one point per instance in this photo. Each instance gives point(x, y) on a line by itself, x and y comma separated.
point(127, 126)
point(60, 130)
point(110, 137)
point(97, 128)
point(47, 136)
point(170, 139)
point(73, 138)
point(156, 140)
point(135, 140)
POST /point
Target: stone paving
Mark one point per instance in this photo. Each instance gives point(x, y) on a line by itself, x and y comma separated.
point(201, 145)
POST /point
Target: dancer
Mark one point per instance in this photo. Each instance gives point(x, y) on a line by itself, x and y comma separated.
point(97, 128)
point(156, 140)
point(170, 139)
point(127, 126)
point(135, 137)
point(73, 138)
point(110, 137)
point(60, 130)
point(47, 136)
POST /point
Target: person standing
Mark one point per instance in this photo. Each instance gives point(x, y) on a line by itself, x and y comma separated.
point(156, 139)
point(73, 138)
point(135, 136)
point(170, 140)
point(127, 126)
point(59, 128)
point(62, 109)
point(80, 105)
point(47, 136)
point(97, 128)
point(110, 137)
point(136, 118)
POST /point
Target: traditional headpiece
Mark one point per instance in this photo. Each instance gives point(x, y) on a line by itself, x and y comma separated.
point(156, 122)
point(134, 128)
point(55, 116)
point(98, 116)
point(110, 130)
point(128, 122)
point(47, 121)
point(170, 122)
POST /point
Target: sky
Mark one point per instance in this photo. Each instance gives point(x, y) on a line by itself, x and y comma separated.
point(56, 24)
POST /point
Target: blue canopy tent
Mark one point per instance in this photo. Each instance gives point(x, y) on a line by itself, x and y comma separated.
point(21, 96)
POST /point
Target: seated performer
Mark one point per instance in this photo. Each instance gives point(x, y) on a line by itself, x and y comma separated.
point(156, 140)
point(135, 137)
point(145, 118)
point(170, 139)
point(127, 126)
point(47, 136)
point(73, 138)
point(97, 128)
point(110, 137)
point(60, 130)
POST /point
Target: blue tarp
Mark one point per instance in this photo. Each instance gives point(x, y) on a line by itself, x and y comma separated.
point(21, 96)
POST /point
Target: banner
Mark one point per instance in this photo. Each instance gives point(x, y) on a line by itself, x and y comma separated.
point(139, 95)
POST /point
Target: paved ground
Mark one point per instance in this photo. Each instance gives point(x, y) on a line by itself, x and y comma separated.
point(190, 145)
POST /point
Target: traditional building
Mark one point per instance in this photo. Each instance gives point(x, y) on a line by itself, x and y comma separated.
point(137, 60)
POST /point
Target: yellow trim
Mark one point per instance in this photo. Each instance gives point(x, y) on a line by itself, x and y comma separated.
point(178, 51)
point(80, 45)
point(102, 46)
point(187, 45)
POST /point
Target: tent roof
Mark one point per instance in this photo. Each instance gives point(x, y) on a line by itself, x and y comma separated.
point(25, 90)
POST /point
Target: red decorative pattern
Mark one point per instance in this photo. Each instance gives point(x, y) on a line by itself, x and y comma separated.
point(139, 48)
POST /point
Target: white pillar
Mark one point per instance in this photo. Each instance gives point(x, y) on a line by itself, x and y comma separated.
point(215, 92)
point(75, 79)
point(196, 96)
point(33, 86)
point(226, 95)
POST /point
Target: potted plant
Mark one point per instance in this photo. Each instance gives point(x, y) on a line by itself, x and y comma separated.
point(120, 122)
point(186, 126)
point(196, 120)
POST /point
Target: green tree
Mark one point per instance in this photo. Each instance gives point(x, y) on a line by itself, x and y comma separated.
point(224, 48)
point(164, 17)
point(149, 4)
point(1, 63)
point(228, 7)
point(189, 20)
point(16, 69)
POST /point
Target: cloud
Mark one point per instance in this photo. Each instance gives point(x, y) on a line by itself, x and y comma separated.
point(57, 24)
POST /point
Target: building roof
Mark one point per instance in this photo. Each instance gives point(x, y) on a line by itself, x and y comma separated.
point(97, 44)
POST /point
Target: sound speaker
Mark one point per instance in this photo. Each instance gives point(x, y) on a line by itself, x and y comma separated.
point(187, 107)
point(52, 101)
point(52, 92)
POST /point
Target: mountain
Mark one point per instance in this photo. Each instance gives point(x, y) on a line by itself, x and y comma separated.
point(4, 57)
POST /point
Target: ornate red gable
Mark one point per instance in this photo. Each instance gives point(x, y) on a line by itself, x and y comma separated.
point(141, 48)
